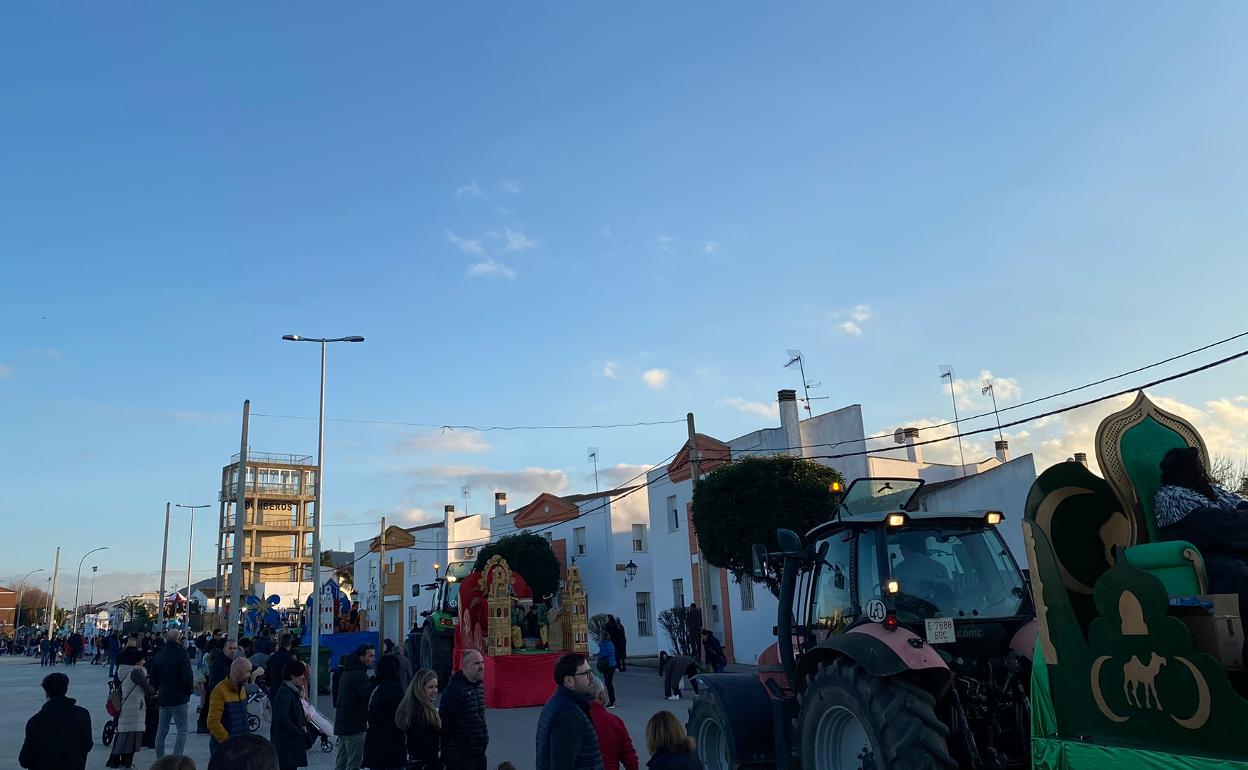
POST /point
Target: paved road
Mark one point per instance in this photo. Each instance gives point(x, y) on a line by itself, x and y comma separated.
point(639, 690)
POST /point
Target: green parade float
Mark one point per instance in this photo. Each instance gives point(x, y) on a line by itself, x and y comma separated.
point(1136, 665)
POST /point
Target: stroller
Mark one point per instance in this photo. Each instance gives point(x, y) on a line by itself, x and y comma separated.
point(258, 707)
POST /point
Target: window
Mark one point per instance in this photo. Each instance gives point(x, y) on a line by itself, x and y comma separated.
point(643, 615)
point(830, 599)
point(578, 540)
point(673, 514)
point(678, 592)
point(747, 593)
point(639, 538)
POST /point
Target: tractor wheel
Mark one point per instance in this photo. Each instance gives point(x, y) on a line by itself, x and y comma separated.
point(435, 654)
point(707, 726)
point(851, 720)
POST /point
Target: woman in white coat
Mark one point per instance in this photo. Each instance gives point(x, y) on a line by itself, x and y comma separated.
point(131, 722)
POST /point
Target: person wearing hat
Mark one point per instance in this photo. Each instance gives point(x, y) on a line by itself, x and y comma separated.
point(172, 677)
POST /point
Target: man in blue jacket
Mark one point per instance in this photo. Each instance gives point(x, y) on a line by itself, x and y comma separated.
point(565, 735)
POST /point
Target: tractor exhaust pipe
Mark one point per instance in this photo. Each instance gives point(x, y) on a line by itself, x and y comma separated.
point(791, 550)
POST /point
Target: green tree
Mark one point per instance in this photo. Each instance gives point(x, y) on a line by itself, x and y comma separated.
point(131, 607)
point(531, 556)
point(746, 501)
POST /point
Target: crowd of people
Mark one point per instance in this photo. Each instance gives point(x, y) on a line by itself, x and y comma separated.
point(386, 717)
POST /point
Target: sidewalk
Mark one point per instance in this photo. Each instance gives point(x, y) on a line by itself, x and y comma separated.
point(652, 662)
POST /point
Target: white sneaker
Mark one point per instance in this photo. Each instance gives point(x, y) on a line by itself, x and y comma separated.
point(673, 697)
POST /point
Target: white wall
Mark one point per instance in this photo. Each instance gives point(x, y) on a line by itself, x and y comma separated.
point(1003, 488)
point(669, 551)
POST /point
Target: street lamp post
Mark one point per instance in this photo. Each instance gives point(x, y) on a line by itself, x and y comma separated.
point(21, 589)
point(94, 570)
point(78, 582)
point(315, 610)
point(186, 623)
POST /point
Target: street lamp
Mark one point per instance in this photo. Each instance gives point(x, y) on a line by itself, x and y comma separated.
point(314, 621)
point(630, 572)
point(186, 623)
point(17, 615)
point(78, 582)
point(94, 570)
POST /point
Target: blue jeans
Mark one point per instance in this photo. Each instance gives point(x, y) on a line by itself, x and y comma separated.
point(178, 714)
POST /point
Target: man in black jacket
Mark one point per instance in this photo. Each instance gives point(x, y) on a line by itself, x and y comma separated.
point(565, 735)
point(170, 674)
point(351, 715)
point(59, 736)
point(464, 732)
point(276, 664)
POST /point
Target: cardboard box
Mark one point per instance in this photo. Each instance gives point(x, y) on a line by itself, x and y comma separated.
point(1217, 630)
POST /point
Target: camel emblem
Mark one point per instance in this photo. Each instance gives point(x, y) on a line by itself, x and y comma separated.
point(1135, 675)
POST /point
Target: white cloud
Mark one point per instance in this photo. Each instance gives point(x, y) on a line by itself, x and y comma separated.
point(511, 186)
point(54, 353)
point(656, 378)
point(471, 190)
point(970, 395)
point(608, 370)
point(861, 313)
point(412, 516)
point(1228, 413)
point(490, 268)
point(620, 474)
point(467, 245)
point(665, 242)
point(711, 247)
point(519, 485)
point(447, 442)
point(6, 372)
point(752, 407)
point(517, 240)
point(851, 328)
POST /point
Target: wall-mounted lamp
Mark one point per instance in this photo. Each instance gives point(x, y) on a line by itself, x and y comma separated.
point(630, 572)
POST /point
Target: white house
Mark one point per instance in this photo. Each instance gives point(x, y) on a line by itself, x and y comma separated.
point(743, 615)
point(406, 568)
point(606, 535)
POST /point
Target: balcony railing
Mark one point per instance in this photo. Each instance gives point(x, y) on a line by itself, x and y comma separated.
point(284, 522)
point(275, 457)
point(271, 554)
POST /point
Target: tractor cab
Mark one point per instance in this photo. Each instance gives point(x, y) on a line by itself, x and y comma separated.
point(437, 634)
point(929, 572)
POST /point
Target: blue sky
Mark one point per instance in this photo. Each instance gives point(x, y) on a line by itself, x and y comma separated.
point(526, 208)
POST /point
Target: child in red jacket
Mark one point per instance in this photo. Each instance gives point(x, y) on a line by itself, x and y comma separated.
point(614, 742)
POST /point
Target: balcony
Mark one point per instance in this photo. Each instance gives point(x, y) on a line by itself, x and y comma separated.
point(283, 523)
point(287, 553)
point(267, 490)
point(274, 457)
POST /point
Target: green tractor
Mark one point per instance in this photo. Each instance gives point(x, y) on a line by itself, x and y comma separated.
point(904, 642)
point(437, 634)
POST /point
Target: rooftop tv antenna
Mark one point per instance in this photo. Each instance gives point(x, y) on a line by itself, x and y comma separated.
point(593, 458)
point(795, 357)
point(466, 490)
point(947, 371)
point(988, 390)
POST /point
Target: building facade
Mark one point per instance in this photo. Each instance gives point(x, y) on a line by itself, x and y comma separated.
point(8, 610)
point(278, 508)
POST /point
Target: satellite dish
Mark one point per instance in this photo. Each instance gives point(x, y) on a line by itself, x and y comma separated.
point(899, 436)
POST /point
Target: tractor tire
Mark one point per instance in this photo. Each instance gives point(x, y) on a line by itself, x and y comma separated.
point(851, 720)
point(708, 726)
point(435, 654)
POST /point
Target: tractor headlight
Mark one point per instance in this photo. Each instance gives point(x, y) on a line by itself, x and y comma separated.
point(993, 518)
point(893, 587)
point(896, 519)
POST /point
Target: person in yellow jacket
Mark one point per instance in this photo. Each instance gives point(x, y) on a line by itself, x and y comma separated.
point(227, 706)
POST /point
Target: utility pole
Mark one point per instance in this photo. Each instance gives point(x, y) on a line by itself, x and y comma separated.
point(240, 516)
point(695, 462)
point(56, 571)
point(947, 371)
point(164, 562)
point(381, 591)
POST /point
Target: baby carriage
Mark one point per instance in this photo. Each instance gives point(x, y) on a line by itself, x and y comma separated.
point(259, 709)
point(319, 727)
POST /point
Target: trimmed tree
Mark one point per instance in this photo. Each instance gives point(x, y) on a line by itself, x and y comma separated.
point(531, 556)
point(746, 501)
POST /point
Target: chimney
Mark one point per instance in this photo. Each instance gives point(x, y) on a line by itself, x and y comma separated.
point(1003, 451)
point(914, 453)
point(500, 503)
point(789, 421)
point(1082, 458)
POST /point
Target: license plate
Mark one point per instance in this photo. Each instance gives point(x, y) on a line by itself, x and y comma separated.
point(940, 631)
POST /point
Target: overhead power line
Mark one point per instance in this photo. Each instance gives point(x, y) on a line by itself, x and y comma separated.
point(478, 428)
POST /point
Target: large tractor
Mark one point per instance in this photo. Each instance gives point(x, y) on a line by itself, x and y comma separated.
point(905, 641)
point(437, 634)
